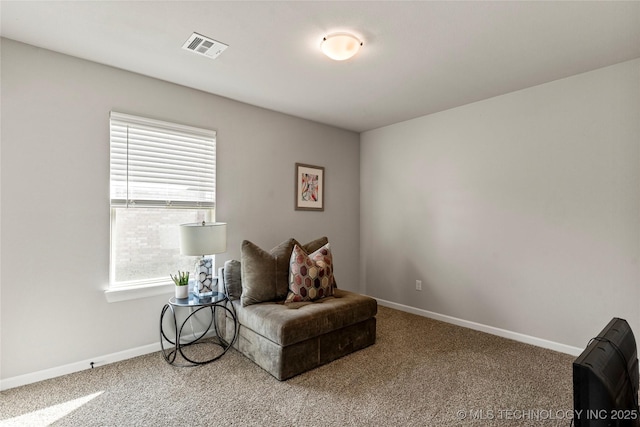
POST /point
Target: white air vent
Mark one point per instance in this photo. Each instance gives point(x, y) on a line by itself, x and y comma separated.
point(202, 45)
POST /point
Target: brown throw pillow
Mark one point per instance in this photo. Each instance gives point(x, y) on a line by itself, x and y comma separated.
point(264, 272)
point(233, 279)
point(313, 245)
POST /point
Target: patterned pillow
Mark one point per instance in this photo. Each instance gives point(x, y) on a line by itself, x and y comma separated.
point(310, 247)
point(310, 275)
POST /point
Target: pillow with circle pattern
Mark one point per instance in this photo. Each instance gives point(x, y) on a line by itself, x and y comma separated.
point(310, 275)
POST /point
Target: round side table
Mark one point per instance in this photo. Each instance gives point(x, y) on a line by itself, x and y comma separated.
point(209, 336)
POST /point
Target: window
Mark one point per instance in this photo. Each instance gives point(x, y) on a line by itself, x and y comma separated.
point(162, 175)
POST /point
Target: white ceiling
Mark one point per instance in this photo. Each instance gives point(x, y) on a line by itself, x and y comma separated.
point(418, 57)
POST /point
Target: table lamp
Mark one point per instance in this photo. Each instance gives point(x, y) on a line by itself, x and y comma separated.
point(203, 239)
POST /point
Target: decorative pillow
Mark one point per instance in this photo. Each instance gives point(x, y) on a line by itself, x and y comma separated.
point(312, 246)
point(310, 275)
point(233, 279)
point(264, 272)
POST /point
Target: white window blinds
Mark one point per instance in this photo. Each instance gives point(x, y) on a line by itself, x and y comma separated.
point(155, 163)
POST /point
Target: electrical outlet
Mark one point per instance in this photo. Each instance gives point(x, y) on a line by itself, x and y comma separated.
point(418, 285)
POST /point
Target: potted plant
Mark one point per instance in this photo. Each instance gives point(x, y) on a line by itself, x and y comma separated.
point(182, 284)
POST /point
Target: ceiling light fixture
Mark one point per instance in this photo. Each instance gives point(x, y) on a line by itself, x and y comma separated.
point(340, 46)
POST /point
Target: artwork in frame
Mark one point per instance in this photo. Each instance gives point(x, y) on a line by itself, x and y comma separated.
point(309, 187)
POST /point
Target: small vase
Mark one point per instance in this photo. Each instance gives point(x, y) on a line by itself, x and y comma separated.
point(182, 292)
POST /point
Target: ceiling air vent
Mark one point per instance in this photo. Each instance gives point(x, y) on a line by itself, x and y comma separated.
point(202, 45)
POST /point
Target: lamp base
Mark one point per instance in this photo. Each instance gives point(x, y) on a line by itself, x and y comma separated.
point(203, 279)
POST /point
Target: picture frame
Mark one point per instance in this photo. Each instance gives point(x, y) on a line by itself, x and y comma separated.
point(309, 185)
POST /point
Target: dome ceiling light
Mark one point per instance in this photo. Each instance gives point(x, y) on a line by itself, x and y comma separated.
point(340, 46)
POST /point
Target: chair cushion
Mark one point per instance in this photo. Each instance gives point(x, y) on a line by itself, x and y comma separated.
point(287, 324)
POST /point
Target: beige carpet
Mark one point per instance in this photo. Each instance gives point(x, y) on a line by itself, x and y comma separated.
point(420, 372)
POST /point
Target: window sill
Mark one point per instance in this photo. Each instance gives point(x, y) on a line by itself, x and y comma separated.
point(127, 293)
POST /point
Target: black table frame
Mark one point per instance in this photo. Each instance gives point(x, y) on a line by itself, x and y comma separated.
point(218, 301)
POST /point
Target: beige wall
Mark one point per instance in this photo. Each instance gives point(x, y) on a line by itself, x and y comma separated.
point(520, 212)
point(55, 199)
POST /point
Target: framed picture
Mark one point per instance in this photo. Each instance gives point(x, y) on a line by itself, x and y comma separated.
point(309, 187)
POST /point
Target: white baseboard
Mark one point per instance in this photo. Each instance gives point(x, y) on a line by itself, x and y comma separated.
point(551, 345)
point(76, 366)
point(58, 371)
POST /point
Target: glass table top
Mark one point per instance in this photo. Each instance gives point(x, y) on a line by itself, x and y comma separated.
point(194, 301)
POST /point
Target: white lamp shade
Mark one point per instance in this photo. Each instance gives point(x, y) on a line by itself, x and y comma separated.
point(203, 238)
point(340, 46)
